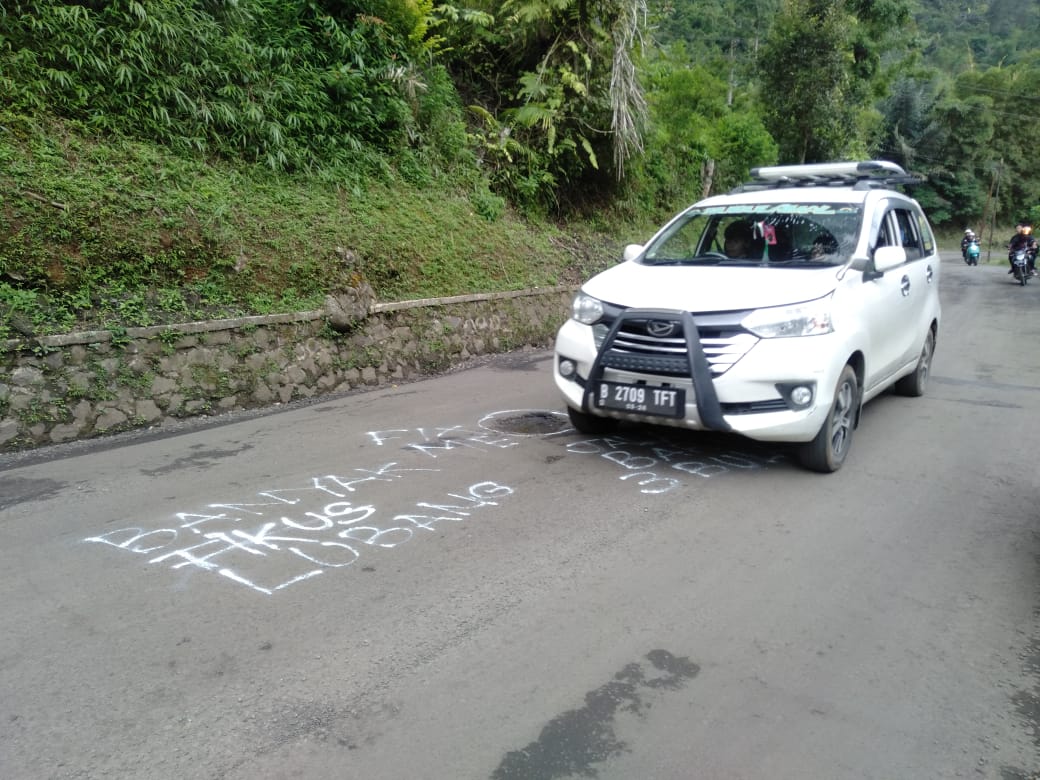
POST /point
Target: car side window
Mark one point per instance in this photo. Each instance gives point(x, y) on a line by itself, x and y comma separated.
point(886, 236)
point(927, 240)
point(908, 235)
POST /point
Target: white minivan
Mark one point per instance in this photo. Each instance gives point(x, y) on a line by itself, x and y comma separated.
point(774, 312)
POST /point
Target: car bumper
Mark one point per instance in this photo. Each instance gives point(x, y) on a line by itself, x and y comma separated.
point(751, 392)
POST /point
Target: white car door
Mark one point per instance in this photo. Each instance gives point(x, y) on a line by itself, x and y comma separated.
point(889, 303)
point(922, 271)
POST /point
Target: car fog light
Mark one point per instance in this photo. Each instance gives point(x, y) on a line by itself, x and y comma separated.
point(567, 368)
point(797, 396)
point(801, 395)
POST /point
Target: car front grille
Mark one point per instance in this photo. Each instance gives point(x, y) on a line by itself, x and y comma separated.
point(635, 347)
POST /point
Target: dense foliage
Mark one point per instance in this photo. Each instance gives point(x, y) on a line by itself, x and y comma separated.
point(509, 110)
point(287, 84)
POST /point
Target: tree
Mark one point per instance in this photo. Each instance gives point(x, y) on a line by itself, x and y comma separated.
point(1006, 99)
point(740, 143)
point(965, 134)
point(722, 36)
point(822, 69)
point(696, 142)
point(805, 72)
point(947, 138)
point(555, 87)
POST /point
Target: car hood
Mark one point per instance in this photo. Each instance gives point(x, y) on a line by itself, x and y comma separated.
point(709, 288)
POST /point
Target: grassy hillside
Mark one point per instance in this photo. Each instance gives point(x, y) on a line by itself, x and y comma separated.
point(110, 234)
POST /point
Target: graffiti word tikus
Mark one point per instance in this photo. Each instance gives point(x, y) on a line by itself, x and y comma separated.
point(288, 537)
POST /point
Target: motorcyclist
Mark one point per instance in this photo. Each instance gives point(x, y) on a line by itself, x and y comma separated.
point(1023, 239)
point(969, 237)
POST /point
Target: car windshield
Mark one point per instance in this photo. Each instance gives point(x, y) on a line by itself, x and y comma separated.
point(775, 234)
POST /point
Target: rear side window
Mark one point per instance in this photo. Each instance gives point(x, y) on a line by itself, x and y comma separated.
point(927, 241)
point(909, 238)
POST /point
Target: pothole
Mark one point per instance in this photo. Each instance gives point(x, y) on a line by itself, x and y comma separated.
point(526, 422)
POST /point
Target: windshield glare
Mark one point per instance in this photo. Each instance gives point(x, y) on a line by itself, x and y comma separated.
point(780, 234)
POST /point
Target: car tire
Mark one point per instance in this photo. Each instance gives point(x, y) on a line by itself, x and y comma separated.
point(827, 451)
point(916, 383)
point(590, 424)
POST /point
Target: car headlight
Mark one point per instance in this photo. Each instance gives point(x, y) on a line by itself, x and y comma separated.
point(802, 319)
point(586, 309)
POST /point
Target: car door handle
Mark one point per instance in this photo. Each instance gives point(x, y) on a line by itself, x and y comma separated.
point(904, 285)
point(929, 274)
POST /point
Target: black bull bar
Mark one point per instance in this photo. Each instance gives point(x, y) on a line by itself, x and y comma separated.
point(705, 397)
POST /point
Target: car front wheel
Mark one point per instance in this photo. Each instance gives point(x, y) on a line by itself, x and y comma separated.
point(827, 451)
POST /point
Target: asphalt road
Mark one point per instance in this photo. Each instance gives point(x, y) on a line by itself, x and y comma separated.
point(441, 580)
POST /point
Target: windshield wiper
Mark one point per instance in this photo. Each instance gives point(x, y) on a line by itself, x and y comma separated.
point(698, 260)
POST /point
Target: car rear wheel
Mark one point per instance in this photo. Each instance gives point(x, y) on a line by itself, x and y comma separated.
point(590, 424)
point(827, 451)
point(914, 384)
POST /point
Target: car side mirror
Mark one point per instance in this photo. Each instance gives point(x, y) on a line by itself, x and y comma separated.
point(632, 251)
point(888, 257)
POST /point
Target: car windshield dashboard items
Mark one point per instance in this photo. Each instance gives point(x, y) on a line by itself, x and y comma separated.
point(782, 234)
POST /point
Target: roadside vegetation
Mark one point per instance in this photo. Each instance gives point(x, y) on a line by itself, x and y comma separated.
point(116, 233)
point(176, 160)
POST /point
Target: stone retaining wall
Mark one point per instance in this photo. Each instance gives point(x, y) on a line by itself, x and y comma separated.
point(79, 385)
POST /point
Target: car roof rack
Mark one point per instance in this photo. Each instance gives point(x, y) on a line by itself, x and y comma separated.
point(862, 175)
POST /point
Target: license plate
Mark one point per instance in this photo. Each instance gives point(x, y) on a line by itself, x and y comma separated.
point(642, 399)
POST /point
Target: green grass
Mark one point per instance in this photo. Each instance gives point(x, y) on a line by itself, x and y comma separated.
point(109, 233)
point(116, 233)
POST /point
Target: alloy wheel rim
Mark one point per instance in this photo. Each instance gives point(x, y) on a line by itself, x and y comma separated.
point(841, 420)
point(926, 361)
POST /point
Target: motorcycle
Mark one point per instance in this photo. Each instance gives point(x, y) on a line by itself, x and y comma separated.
point(972, 252)
point(1020, 266)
